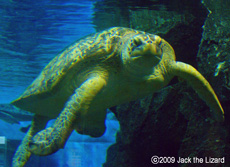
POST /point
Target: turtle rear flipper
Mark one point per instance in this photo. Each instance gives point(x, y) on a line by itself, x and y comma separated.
point(200, 85)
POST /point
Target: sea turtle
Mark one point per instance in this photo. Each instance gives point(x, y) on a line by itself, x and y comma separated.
point(97, 72)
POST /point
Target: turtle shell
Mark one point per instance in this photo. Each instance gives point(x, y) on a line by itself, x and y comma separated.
point(49, 92)
point(46, 95)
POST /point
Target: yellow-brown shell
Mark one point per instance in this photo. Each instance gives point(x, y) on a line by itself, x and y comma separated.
point(84, 54)
point(91, 49)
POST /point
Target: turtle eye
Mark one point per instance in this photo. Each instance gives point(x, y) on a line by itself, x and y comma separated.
point(160, 42)
point(137, 42)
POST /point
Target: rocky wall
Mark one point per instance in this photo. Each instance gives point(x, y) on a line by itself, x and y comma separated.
point(175, 121)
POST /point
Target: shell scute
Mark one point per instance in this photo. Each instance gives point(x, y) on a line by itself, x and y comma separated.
point(93, 48)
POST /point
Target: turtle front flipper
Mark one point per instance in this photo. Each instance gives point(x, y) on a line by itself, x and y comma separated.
point(200, 85)
point(53, 138)
point(23, 154)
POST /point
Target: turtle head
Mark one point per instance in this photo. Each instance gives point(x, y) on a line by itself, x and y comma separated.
point(141, 52)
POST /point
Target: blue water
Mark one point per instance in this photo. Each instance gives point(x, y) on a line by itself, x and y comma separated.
point(31, 34)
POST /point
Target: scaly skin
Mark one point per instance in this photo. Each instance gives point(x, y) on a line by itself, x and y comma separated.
point(52, 139)
point(200, 85)
point(103, 70)
point(23, 154)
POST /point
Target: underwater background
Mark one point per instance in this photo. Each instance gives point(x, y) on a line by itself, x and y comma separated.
point(31, 34)
point(173, 122)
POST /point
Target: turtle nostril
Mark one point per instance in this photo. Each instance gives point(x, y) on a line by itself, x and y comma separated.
point(149, 41)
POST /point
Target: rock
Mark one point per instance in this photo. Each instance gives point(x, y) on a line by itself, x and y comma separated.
point(214, 50)
point(174, 122)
